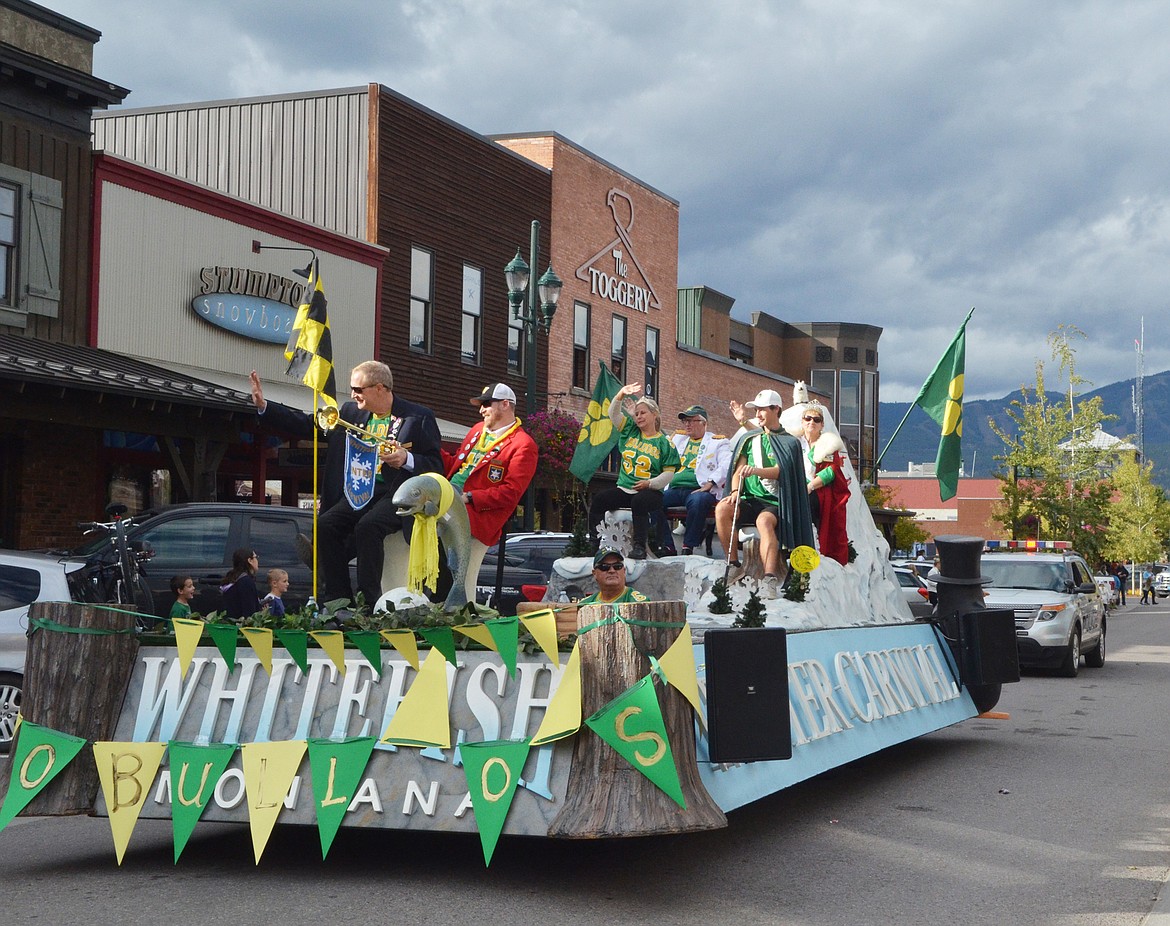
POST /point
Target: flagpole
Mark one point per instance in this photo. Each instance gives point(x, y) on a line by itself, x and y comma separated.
point(315, 459)
point(878, 461)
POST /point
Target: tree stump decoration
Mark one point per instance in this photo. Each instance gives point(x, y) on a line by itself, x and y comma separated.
point(605, 795)
point(75, 683)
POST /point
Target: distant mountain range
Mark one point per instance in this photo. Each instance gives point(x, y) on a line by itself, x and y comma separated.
point(917, 442)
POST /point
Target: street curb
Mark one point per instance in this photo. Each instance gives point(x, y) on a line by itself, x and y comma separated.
point(1159, 915)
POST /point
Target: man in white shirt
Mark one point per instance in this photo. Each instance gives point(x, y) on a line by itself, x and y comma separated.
point(699, 482)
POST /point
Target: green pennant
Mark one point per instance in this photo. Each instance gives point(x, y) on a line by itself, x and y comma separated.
point(337, 767)
point(297, 644)
point(442, 639)
point(195, 770)
point(225, 637)
point(38, 756)
point(506, 632)
point(493, 772)
point(369, 644)
point(632, 724)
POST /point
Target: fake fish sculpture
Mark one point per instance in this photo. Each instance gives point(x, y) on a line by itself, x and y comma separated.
point(422, 497)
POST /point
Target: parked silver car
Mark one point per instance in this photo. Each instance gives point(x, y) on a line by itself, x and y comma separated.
point(915, 590)
point(25, 578)
point(1060, 614)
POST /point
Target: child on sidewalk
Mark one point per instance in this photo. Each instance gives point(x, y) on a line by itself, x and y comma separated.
point(277, 586)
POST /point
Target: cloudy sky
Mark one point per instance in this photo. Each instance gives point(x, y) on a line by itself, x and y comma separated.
point(893, 163)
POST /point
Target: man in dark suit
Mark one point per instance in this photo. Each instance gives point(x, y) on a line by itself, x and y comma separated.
point(411, 446)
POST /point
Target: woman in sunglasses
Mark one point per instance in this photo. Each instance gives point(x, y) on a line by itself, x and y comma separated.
point(240, 597)
point(828, 488)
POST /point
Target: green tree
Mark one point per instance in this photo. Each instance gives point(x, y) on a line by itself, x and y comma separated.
point(1139, 520)
point(906, 530)
point(1055, 483)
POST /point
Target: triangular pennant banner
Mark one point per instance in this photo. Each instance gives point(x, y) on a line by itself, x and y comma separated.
point(422, 718)
point(442, 639)
point(126, 771)
point(506, 632)
point(493, 771)
point(562, 717)
point(678, 665)
point(369, 644)
point(195, 771)
point(333, 642)
point(405, 643)
point(337, 767)
point(269, 769)
point(38, 757)
point(632, 724)
point(543, 627)
point(187, 634)
point(226, 636)
point(477, 632)
point(260, 639)
point(297, 644)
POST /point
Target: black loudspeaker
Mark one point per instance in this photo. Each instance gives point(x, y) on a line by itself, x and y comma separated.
point(747, 694)
point(987, 647)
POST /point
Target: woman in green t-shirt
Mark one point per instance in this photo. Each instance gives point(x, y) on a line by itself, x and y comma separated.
point(649, 461)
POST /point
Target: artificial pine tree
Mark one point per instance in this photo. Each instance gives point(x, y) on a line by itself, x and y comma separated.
point(753, 613)
point(722, 602)
point(579, 543)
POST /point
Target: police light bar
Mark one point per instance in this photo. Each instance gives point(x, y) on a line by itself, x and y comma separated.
point(1030, 546)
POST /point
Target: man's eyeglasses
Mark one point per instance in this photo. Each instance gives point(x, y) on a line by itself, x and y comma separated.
point(814, 418)
point(610, 567)
point(358, 390)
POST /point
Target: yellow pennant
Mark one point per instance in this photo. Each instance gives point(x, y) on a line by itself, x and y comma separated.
point(405, 643)
point(126, 771)
point(187, 634)
point(562, 717)
point(543, 627)
point(333, 642)
point(260, 639)
point(678, 665)
point(479, 633)
point(422, 718)
point(269, 770)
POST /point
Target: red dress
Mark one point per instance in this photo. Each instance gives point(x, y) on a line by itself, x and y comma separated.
point(833, 498)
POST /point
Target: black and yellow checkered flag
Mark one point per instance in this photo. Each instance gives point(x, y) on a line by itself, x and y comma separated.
point(310, 348)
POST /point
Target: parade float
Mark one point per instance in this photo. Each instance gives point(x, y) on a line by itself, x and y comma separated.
point(571, 722)
point(563, 721)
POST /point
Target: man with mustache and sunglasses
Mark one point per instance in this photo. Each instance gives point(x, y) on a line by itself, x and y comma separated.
point(609, 572)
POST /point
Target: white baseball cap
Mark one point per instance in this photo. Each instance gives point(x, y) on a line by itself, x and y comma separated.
point(766, 397)
point(494, 391)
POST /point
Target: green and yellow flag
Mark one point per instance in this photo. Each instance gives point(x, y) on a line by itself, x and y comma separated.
point(310, 347)
point(941, 397)
point(598, 436)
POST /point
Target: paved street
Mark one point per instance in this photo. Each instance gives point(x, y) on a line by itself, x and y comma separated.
point(1059, 815)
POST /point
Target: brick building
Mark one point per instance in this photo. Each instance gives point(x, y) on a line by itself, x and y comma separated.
point(969, 513)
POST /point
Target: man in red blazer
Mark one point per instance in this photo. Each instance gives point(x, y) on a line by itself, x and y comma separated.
point(492, 469)
point(494, 465)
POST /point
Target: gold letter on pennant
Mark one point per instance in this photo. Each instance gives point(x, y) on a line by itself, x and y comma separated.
point(198, 798)
point(25, 781)
point(647, 736)
point(494, 796)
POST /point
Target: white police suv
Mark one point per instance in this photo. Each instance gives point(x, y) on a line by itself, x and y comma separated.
point(1060, 614)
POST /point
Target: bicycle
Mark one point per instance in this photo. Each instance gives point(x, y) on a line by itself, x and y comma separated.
point(122, 581)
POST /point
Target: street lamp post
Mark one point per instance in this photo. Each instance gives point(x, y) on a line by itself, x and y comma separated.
point(548, 289)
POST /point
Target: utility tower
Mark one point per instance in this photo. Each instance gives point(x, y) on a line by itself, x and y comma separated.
point(1139, 392)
